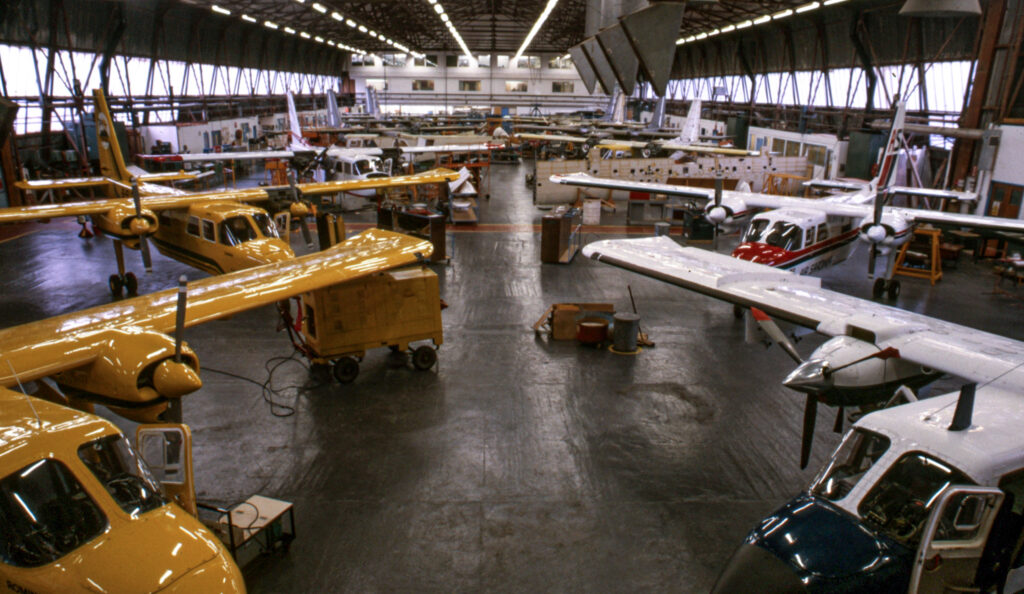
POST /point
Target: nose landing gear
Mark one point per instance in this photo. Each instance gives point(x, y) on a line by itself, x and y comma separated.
point(888, 287)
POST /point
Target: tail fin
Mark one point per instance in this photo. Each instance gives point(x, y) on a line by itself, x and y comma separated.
point(111, 160)
point(294, 128)
point(691, 128)
point(658, 119)
point(892, 149)
point(333, 115)
point(613, 113)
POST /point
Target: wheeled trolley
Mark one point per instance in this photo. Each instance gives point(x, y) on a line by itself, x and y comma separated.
point(388, 309)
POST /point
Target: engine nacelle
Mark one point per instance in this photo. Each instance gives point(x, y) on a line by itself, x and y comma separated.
point(121, 223)
point(892, 231)
point(831, 373)
point(727, 215)
point(135, 370)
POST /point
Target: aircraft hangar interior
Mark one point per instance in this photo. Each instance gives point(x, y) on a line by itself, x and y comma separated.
point(512, 296)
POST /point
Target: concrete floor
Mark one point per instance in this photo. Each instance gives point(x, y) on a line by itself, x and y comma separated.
point(518, 464)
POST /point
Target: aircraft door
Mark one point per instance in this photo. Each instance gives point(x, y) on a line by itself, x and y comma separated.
point(388, 163)
point(167, 450)
point(283, 222)
point(954, 539)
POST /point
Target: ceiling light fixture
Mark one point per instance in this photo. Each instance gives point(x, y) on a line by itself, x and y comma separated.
point(270, 24)
point(536, 27)
point(337, 16)
point(220, 10)
point(248, 18)
point(319, 8)
point(454, 33)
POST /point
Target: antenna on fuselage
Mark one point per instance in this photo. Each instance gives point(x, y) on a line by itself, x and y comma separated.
point(964, 408)
point(28, 399)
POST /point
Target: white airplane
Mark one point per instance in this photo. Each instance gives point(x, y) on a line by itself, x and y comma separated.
point(921, 497)
point(806, 235)
point(687, 141)
point(338, 163)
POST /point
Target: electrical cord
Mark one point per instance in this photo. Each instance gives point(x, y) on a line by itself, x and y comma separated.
point(271, 395)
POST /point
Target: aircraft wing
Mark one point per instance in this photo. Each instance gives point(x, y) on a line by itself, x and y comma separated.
point(710, 149)
point(933, 193)
point(225, 156)
point(955, 219)
point(158, 203)
point(444, 148)
point(588, 181)
point(38, 185)
point(965, 352)
point(552, 137)
point(70, 341)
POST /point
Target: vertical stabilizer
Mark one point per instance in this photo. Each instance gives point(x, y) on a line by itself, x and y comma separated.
point(612, 111)
point(892, 150)
point(294, 128)
point(111, 160)
point(333, 115)
point(658, 119)
point(691, 127)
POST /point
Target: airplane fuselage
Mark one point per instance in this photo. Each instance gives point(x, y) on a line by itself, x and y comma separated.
point(802, 241)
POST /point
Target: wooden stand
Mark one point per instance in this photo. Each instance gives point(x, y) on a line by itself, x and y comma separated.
point(560, 235)
point(922, 249)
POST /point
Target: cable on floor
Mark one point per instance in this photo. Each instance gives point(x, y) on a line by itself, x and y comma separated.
point(273, 396)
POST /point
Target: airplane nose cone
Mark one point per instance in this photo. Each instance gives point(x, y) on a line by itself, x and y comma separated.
point(298, 209)
point(139, 226)
point(174, 380)
point(811, 377)
point(753, 569)
point(717, 215)
point(876, 233)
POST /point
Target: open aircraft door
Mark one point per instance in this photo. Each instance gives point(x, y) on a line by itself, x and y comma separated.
point(167, 450)
point(389, 165)
point(954, 539)
point(283, 222)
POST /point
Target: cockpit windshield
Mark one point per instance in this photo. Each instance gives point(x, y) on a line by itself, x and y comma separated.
point(854, 457)
point(899, 504)
point(237, 230)
point(123, 473)
point(266, 226)
point(45, 513)
point(781, 234)
point(364, 166)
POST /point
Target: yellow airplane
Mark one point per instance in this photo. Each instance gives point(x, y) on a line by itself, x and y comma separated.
point(77, 506)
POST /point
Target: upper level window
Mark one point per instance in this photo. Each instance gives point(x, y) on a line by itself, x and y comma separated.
point(562, 86)
point(560, 62)
point(469, 85)
point(516, 86)
point(423, 85)
point(377, 83)
point(528, 62)
point(45, 513)
point(501, 61)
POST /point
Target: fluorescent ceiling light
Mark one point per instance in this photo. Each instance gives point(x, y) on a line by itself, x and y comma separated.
point(808, 7)
point(289, 30)
point(702, 36)
point(831, 2)
point(762, 20)
point(304, 35)
point(536, 27)
point(319, 8)
point(270, 24)
point(744, 24)
point(680, 41)
point(337, 16)
point(319, 39)
point(248, 18)
point(220, 10)
point(363, 29)
point(438, 9)
point(713, 33)
point(729, 29)
point(783, 14)
point(444, 17)
point(350, 23)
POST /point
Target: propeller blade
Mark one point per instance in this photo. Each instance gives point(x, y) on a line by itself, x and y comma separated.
point(306, 235)
point(807, 438)
point(179, 322)
point(147, 258)
point(775, 333)
point(884, 354)
point(879, 207)
point(871, 260)
point(838, 426)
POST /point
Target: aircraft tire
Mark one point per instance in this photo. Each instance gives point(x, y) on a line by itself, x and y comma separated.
point(424, 357)
point(893, 290)
point(346, 369)
point(878, 289)
point(116, 285)
point(131, 284)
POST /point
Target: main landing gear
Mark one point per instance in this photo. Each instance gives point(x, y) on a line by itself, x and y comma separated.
point(122, 281)
point(888, 287)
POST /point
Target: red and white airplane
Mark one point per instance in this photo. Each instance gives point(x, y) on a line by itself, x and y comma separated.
point(806, 235)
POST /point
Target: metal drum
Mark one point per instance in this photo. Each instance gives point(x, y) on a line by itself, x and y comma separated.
point(661, 228)
point(624, 334)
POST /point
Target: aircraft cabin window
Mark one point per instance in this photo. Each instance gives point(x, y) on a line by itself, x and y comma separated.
point(192, 227)
point(854, 457)
point(899, 504)
point(265, 225)
point(757, 226)
point(809, 237)
point(822, 232)
point(123, 473)
point(45, 513)
point(237, 230)
point(208, 231)
point(784, 235)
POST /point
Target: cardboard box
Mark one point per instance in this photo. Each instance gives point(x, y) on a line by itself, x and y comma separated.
point(565, 316)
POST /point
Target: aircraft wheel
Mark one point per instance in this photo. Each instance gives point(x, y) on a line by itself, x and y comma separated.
point(131, 284)
point(345, 370)
point(878, 289)
point(116, 285)
point(424, 357)
point(893, 291)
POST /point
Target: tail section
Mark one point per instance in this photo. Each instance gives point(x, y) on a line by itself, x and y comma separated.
point(112, 163)
point(892, 150)
point(658, 119)
point(691, 128)
point(613, 113)
point(333, 114)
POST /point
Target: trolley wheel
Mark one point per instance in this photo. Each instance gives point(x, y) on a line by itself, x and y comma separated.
point(345, 370)
point(424, 357)
point(893, 290)
point(131, 284)
point(878, 289)
point(116, 285)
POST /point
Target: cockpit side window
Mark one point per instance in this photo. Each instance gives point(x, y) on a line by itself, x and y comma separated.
point(854, 457)
point(123, 474)
point(237, 230)
point(265, 225)
point(208, 230)
point(45, 513)
point(192, 227)
point(784, 235)
point(755, 229)
point(822, 232)
point(899, 504)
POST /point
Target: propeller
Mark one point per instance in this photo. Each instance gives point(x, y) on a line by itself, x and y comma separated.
point(140, 226)
point(876, 232)
point(179, 318)
point(173, 378)
point(306, 236)
point(807, 436)
point(717, 214)
point(314, 162)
